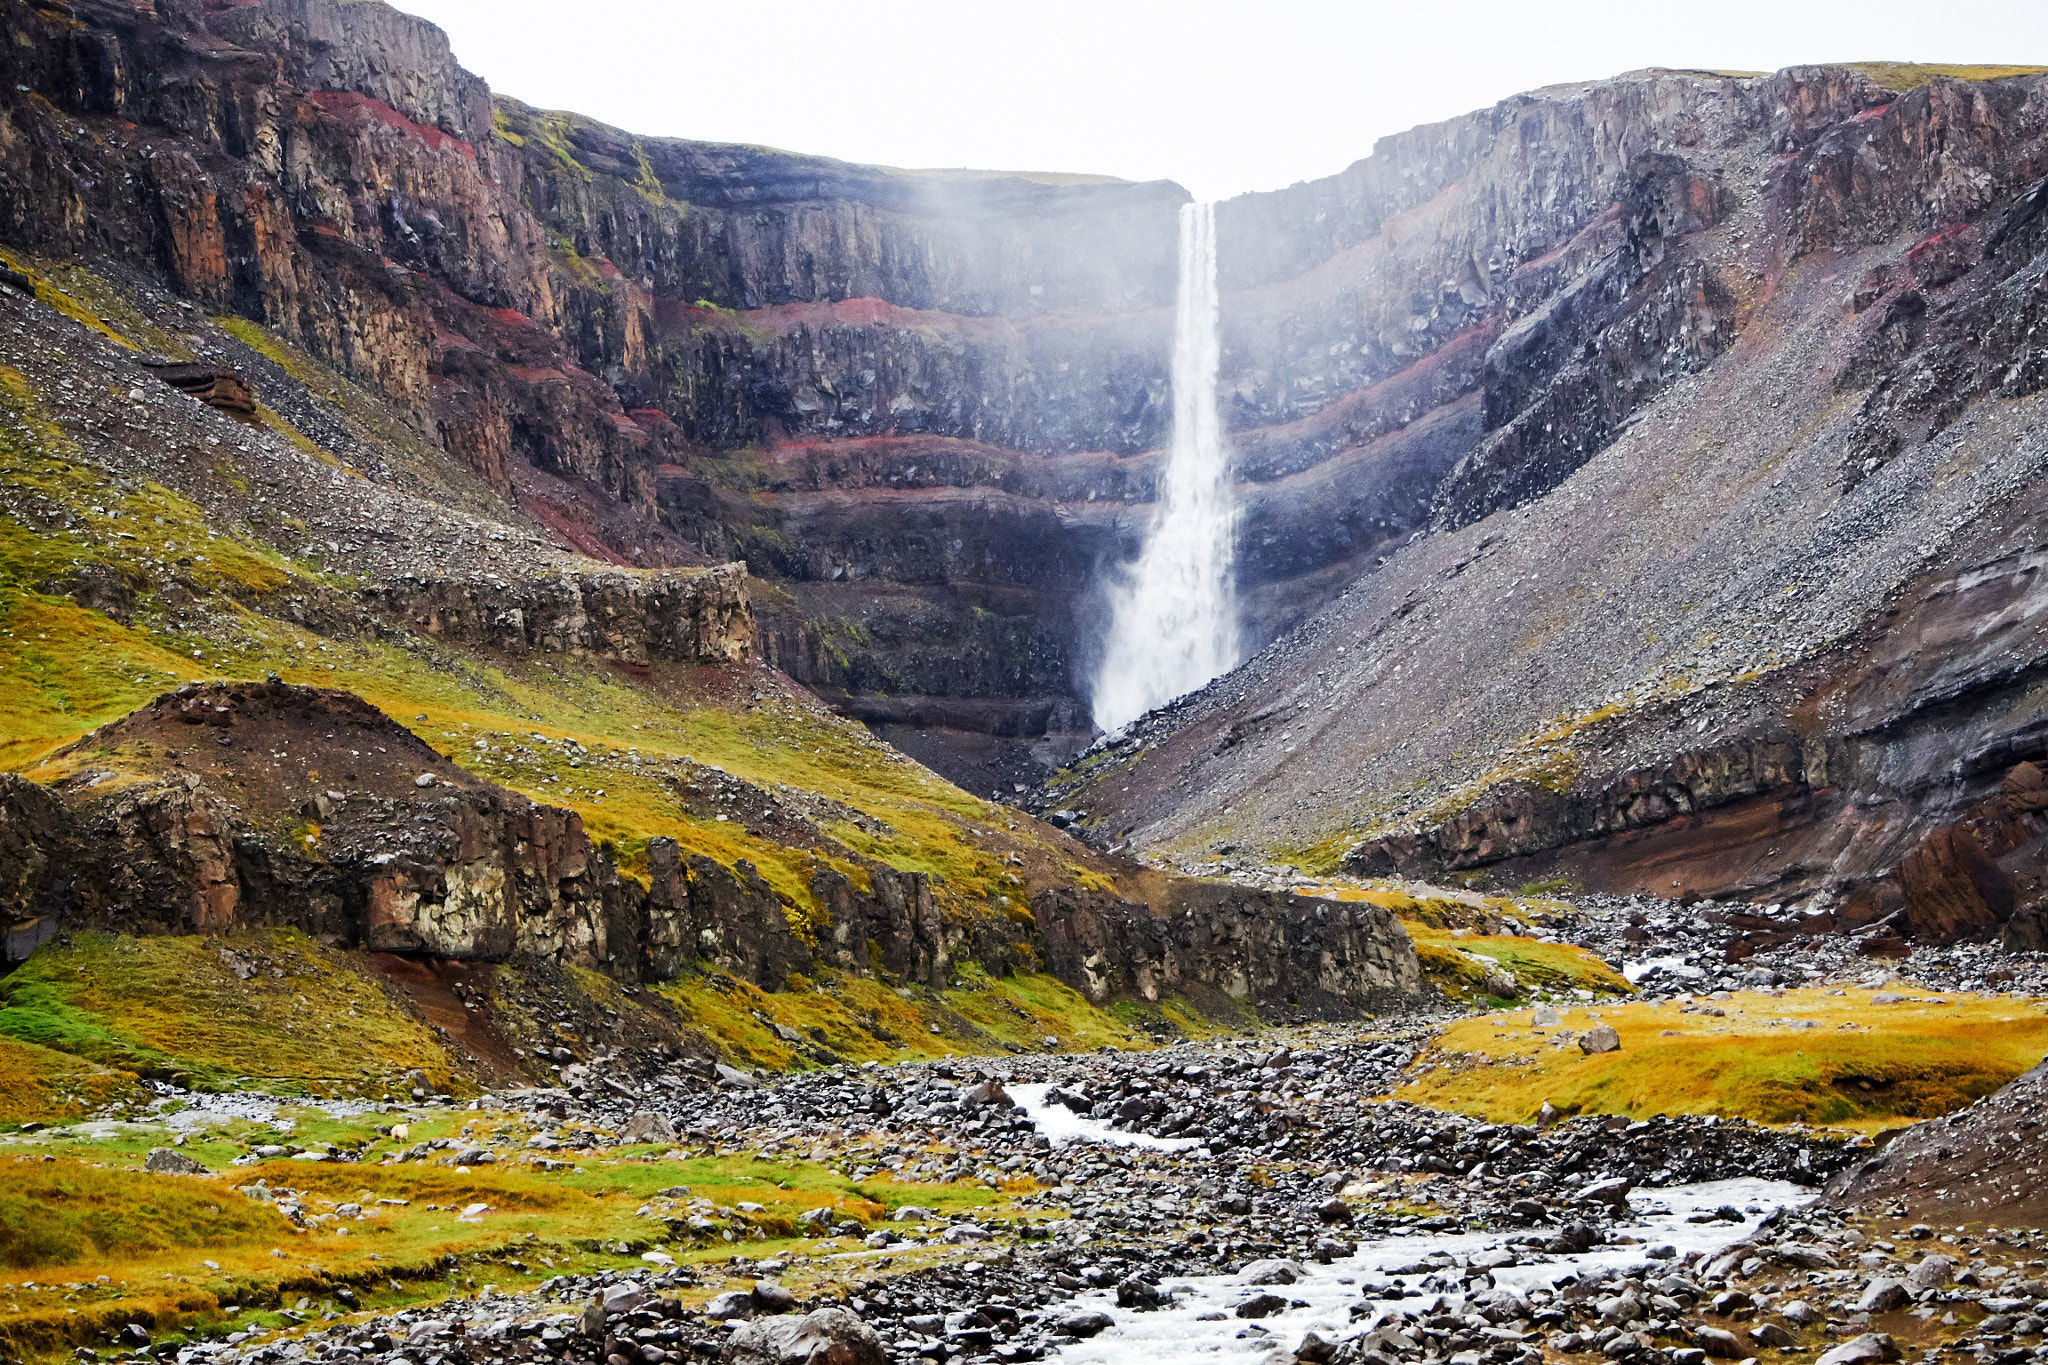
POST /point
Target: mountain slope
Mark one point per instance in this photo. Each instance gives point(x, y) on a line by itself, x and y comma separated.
point(1763, 627)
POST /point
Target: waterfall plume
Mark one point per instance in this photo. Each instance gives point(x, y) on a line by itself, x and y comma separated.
point(1173, 618)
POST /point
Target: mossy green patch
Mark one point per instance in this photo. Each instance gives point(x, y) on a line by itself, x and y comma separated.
point(1901, 77)
point(42, 1084)
point(1803, 1056)
point(54, 1214)
point(863, 1019)
point(1447, 960)
point(173, 1008)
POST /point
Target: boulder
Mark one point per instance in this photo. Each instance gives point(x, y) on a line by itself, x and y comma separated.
point(770, 1297)
point(988, 1093)
point(647, 1127)
point(1882, 1296)
point(1272, 1272)
point(1931, 1273)
point(1135, 1293)
point(1774, 1335)
point(734, 1303)
point(829, 1336)
point(171, 1161)
point(623, 1298)
point(1613, 1193)
point(1261, 1306)
point(1083, 1322)
point(1316, 1349)
point(1599, 1038)
point(1719, 1344)
point(735, 1078)
point(1871, 1348)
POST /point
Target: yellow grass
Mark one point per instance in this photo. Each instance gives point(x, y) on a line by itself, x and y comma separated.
point(1863, 1065)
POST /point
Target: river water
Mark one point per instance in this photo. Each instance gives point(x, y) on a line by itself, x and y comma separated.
point(1177, 1336)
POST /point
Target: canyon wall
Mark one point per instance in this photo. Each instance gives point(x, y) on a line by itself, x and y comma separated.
point(926, 406)
point(1735, 598)
point(1594, 444)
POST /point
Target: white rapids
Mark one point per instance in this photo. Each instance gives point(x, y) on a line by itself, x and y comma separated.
point(1176, 1336)
point(1173, 616)
point(1062, 1124)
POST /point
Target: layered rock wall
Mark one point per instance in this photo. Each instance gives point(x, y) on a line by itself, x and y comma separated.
point(683, 616)
point(410, 854)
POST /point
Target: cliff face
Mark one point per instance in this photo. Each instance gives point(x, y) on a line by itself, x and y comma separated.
point(921, 404)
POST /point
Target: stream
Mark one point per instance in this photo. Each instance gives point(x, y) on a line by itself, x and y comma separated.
point(1326, 1293)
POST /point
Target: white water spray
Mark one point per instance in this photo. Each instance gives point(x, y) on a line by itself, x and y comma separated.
point(1173, 623)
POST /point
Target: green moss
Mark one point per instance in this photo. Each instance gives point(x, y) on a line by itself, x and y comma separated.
point(50, 292)
point(1901, 77)
point(172, 1009)
point(846, 1018)
point(646, 184)
point(60, 1215)
point(502, 127)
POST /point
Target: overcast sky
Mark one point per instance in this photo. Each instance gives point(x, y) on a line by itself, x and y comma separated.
point(1222, 98)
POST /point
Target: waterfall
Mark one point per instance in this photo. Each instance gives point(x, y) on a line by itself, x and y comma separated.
point(1173, 620)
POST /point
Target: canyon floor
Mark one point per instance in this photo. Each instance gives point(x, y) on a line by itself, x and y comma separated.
point(1016, 1205)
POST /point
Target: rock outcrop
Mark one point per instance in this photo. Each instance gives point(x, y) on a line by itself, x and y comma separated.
point(1319, 958)
point(702, 616)
point(224, 806)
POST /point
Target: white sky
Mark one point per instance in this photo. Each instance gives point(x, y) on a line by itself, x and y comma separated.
point(1223, 98)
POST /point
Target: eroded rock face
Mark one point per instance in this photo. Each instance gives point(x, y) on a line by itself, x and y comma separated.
point(1449, 327)
point(1208, 939)
point(686, 616)
point(1684, 666)
point(269, 804)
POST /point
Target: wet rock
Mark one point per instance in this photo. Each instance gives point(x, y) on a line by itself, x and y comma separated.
point(1083, 1322)
point(1136, 1293)
point(1260, 1306)
point(1316, 1349)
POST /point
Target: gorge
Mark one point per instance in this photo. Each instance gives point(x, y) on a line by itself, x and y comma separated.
point(703, 752)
